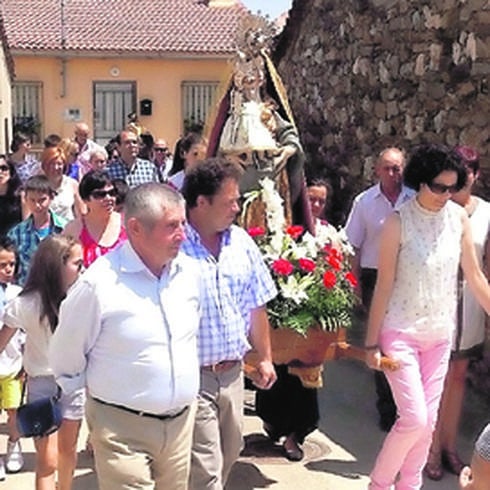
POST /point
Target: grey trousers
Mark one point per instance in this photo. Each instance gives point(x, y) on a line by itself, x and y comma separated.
point(217, 439)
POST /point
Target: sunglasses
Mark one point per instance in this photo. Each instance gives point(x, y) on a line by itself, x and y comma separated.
point(437, 188)
point(160, 149)
point(4, 168)
point(101, 194)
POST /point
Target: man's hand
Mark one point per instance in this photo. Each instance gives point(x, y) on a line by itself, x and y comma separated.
point(267, 375)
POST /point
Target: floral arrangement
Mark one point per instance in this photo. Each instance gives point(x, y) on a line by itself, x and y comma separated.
point(312, 273)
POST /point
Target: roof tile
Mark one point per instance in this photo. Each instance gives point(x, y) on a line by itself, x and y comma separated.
point(164, 26)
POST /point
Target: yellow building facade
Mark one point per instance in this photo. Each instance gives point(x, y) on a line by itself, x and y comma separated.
point(101, 61)
point(72, 90)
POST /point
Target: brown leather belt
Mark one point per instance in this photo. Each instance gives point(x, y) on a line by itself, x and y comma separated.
point(221, 367)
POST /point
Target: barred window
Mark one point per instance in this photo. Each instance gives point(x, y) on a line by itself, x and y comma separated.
point(27, 109)
point(198, 100)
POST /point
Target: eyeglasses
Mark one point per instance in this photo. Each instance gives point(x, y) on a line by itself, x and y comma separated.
point(4, 168)
point(437, 188)
point(161, 149)
point(101, 194)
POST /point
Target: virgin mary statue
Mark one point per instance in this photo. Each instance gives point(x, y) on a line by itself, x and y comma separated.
point(254, 127)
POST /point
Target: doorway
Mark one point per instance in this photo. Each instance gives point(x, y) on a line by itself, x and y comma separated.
point(113, 101)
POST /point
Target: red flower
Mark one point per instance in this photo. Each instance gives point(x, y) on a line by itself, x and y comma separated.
point(255, 231)
point(329, 279)
point(334, 262)
point(282, 267)
point(294, 231)
point(307, 265)
point(351, 278)
point(335, 253)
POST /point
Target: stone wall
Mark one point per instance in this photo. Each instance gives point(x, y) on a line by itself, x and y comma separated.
point(365, 74)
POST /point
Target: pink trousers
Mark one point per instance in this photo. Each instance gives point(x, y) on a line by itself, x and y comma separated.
point(417, 388)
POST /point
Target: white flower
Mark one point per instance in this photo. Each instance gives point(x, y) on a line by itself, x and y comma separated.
point(274, 207)
point(310, 245)
point(346, 246)
point(295, 289)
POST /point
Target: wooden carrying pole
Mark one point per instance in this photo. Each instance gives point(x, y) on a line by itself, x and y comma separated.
point(305, 355)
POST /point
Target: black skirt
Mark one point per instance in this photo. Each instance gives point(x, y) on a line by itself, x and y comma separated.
point(288, 407)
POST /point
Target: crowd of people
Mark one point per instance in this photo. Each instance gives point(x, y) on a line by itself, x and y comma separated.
point(173, 294)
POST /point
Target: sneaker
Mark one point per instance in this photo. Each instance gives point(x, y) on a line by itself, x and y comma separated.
point(2, 470)
point(14, 461)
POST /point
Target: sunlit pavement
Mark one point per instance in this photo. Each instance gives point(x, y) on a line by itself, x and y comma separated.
point(337, 456)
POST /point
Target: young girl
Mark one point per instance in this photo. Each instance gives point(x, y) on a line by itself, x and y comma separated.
point(10, 362)
point(189, 150)
point(55, 266)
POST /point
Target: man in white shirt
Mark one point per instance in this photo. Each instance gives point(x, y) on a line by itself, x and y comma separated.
point(85, 145)
point(363, 228)
point(127, 332)
point(162, 159)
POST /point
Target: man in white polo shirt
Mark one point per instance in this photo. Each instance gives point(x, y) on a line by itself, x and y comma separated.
point(127, 332)
point(369, 211)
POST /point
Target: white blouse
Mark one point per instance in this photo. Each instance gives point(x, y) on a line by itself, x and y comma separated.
point(424, 296)
point(23, 312)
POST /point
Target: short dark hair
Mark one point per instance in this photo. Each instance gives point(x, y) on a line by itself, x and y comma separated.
point(39, 183)
point(52, 140)
point(122, 189)
point(17, 140)
point(92, 180)
point(7, 243)
point(428, 161)
point(206, 178)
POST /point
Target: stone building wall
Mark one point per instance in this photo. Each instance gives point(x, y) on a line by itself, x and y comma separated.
point(365, 74)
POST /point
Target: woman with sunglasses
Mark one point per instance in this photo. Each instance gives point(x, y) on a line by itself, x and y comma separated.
point(10, 197)
point(101, 229)
point(469, 336)
point(413, 311)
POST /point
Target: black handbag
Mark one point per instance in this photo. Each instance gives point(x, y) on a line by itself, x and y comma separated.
point(41, 417)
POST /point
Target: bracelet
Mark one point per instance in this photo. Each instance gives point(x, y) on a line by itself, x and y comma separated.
point(371, 347)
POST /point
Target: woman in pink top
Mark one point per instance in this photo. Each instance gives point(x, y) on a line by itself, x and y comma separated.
point(101, 229)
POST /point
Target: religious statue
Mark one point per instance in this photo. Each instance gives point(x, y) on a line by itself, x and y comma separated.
point(254, 127)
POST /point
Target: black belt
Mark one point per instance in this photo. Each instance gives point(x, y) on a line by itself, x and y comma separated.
point(142, 414)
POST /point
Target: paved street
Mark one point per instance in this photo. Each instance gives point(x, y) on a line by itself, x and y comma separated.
point(338, 456)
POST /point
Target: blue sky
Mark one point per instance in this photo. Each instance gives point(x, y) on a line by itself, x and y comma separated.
point(272, 7)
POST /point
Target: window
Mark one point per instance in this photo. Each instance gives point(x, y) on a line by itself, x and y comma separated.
point(26, 109)
point(198, 100)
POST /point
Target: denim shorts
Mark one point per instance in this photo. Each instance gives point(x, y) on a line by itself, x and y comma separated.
point(72, 405)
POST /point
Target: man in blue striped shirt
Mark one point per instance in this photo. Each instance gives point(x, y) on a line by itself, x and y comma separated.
point(128, 166)
point(237, 287)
